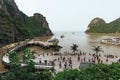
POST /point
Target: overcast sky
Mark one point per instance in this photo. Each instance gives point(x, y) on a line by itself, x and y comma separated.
point(71, 15)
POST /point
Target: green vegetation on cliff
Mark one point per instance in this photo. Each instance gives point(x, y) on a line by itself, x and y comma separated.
point(98, 25)
point(15, 25)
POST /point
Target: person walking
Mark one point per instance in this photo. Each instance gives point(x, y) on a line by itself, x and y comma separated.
point(60, 65)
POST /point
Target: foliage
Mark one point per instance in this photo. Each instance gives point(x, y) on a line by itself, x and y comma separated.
point(26, 56)
point(14, 60)
point(74, 47)
point(97, 49)
point(27, 72)
point(97, 72)
point(45, 75)
point(67, 75)
point(111, 27)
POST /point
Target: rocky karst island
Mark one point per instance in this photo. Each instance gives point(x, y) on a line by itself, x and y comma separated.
point(98, 25)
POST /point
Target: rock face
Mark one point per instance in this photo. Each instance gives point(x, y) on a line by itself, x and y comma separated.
point(95, 22)
point(41, 20)
point(98, 25)
point(15, 25)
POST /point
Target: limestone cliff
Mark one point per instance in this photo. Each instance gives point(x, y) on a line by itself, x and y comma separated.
point(95, 22)
point(15, 25)
point(98, 25)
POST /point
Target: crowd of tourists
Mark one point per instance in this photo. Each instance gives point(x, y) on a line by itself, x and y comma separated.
point(69, 60)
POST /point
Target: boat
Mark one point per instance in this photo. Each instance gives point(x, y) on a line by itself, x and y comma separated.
point(73, 33)
point(54, 41)
point(62, 36)
point(115, 41)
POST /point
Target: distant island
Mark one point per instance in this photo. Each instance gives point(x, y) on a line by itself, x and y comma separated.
point(98, 25)
point(16, 26)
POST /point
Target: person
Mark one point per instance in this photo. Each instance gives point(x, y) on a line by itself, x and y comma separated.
point(93, 60)
point(98, 61)
point(81, 60)
point(78, 58)
point(101, 61)
point(45, 62)
point(60, 65)
point(53, 63)
point(84, 59)
point(58, 59)
point(106, 59)
point(47, 54)
point(65, 65)
point(70, 61)
point(89, 54)
point(70, 66)
point(63, 59)
point(40, 62)
point(118, 60)
point(43, 55)
point(89, 60)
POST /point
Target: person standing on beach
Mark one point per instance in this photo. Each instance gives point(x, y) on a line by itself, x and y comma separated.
point(65, 65)
point(60, 65)
point(78, 58)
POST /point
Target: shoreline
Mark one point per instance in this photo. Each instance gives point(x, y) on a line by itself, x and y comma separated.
point(52, 57)
point(78, 60)
point(113, 34)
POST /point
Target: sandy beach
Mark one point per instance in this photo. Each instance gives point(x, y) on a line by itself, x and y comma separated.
point(76, 62)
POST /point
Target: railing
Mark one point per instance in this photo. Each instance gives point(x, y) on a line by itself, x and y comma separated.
point(6, 61)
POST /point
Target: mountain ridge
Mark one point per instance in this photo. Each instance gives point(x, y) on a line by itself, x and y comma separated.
point(16, 26)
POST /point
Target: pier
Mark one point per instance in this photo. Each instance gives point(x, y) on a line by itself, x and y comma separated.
point(24, 44)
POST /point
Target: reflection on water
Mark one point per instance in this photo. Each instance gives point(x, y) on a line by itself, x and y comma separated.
point(85, 42)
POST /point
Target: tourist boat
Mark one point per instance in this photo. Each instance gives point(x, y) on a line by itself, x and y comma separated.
point(115, 41)
point(54, 41)
point(107, 40)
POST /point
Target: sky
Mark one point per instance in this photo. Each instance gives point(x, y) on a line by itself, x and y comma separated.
point(71, 15)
